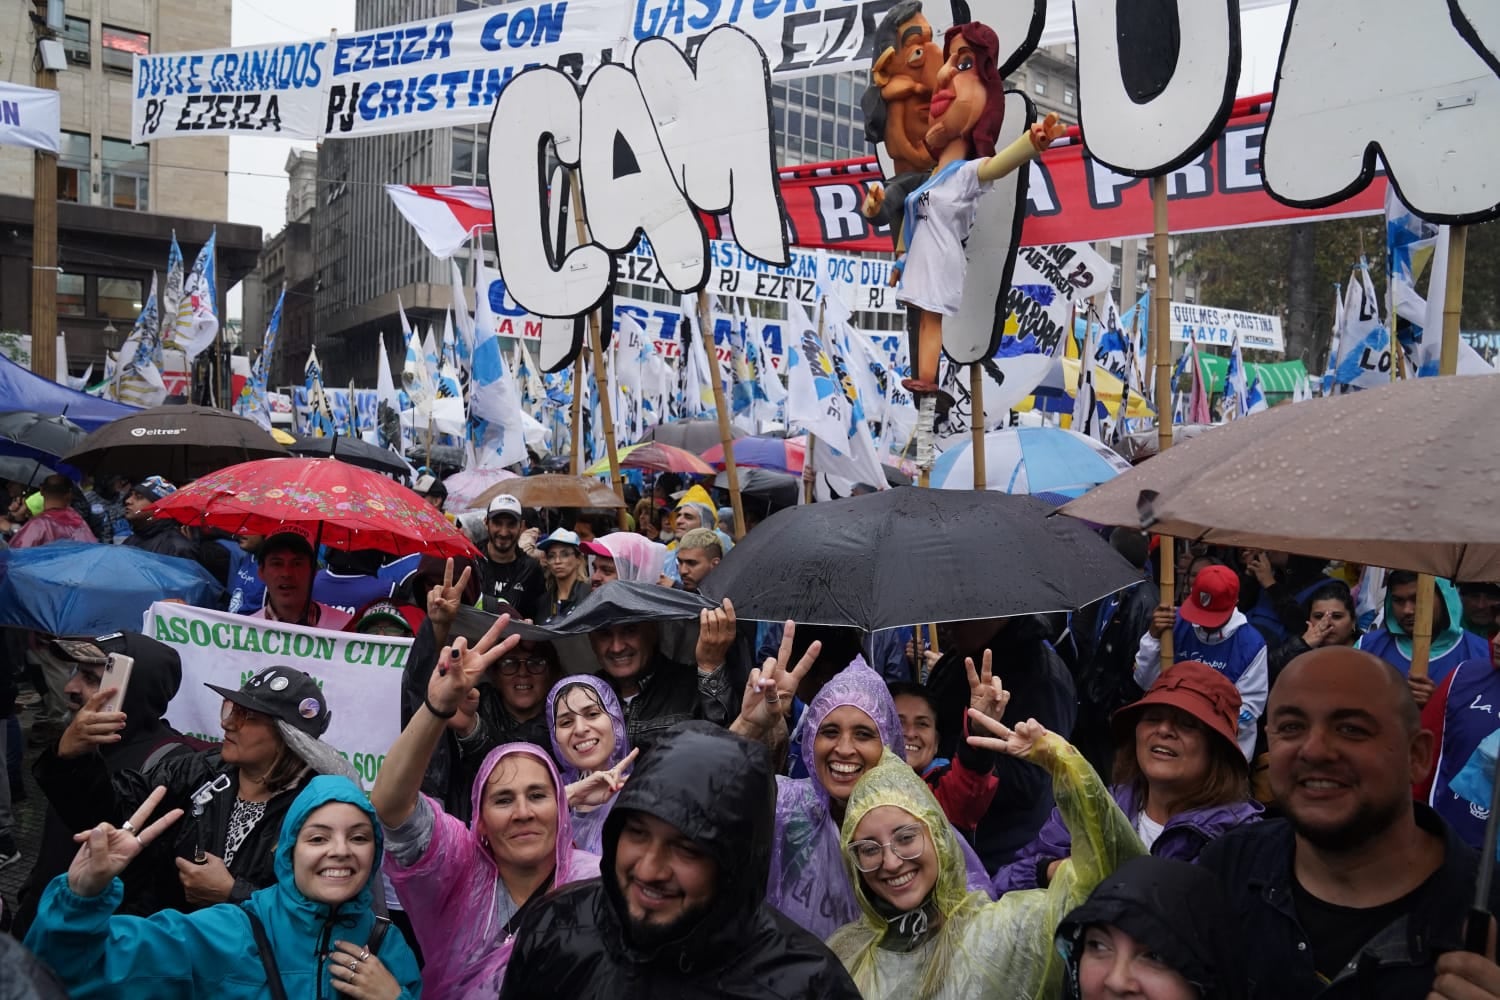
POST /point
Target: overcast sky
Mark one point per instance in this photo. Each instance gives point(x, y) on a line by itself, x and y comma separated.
point(257, 180)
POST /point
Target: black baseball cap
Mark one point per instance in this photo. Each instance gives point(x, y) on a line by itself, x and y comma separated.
point(283, 541)
point(291, 696)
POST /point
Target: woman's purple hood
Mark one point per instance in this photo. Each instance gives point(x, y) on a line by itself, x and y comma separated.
point(857, 686)
point(565, 849)
point(611, 704)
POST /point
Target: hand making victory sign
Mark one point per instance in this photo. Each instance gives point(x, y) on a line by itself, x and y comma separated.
point(600, 786)
point(459, 667)
point(771, 688)
point(107, 850)
point(444, 600)
point(987, 694)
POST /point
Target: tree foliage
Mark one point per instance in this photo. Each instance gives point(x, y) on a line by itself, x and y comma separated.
point(1289, 271)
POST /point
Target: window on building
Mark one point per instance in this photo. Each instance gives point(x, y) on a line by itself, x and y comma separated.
point(463, 159)
point(1069, 98)
point(73, 168)
point(119, 298)
point(123, 180)
point(70, 295)
point(118, 45)
point(75, 39)
point(1040, 85)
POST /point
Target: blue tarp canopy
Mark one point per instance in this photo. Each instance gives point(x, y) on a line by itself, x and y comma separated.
point(20, 389)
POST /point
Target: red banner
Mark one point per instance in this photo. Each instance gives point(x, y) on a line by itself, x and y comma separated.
point(1074, 199)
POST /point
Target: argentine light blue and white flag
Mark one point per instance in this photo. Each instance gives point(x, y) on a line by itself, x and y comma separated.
point(496, 429)
point(1364, 342)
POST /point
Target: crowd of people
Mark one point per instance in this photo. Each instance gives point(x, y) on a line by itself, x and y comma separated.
point(1037, 807)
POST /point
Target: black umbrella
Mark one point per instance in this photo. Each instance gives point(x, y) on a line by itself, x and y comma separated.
point(180, 442)
point(908, 555)
point(27, 471)
point(355, 451)
point(776, 489)
point(38, 434)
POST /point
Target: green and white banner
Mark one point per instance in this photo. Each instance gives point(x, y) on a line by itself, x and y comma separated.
point(360, 674)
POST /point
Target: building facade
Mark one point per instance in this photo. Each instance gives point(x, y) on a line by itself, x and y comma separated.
point(118, 204)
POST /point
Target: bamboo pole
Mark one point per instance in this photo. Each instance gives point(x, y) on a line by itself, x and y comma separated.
point(1161, 331)
point(809, 473)
point(1453, 307)
point(721, 407)
point(976, 418)
point(601, 375)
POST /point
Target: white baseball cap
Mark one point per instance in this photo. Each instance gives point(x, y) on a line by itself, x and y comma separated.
point(504, 504)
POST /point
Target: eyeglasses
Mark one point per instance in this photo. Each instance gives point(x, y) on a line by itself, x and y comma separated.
point(239, 714)
point(907, 844)
point(512, 665)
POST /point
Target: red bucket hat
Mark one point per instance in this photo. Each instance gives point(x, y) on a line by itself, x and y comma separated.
point(1197, 689)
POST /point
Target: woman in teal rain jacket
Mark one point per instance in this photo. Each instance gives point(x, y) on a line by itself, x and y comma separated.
point(317, 918)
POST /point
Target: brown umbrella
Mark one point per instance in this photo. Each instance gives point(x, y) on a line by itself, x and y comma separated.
point(179, 442)
point(1402, 476)
point(553, 491)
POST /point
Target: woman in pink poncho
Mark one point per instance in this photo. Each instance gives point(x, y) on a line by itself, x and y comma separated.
point(466, 887)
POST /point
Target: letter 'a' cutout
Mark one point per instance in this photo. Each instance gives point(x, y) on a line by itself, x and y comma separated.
point(1435, 121)
point(1142, 112)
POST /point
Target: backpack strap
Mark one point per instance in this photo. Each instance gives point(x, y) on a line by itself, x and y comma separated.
point(377, 934)
point(267, 956)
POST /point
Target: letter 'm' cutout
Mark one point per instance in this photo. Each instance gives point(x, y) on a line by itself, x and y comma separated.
point(1148, 106)
point(714, 120)
point(1436, 122)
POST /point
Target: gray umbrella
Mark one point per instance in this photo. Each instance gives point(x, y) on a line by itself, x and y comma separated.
point(1400, 476)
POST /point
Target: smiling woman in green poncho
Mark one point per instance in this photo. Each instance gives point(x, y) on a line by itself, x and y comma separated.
point(921, 933)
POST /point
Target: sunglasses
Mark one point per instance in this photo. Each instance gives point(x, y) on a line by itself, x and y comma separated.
point(512, 665)
point(240, 715)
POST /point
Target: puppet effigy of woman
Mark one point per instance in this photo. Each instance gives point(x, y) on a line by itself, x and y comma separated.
point(964, 115)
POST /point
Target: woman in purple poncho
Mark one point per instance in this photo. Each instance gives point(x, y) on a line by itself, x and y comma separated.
point(843, 732)
point(587, 727)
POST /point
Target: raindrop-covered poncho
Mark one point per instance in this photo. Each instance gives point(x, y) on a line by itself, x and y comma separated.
point(588, 827)
point(451, 891)
point(980, 948)
point(637, 558)
point(809, 883)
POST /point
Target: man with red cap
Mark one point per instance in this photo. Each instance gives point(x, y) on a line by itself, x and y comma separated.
point(1208, 628)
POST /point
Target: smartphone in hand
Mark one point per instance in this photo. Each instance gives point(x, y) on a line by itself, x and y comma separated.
point(116, 674)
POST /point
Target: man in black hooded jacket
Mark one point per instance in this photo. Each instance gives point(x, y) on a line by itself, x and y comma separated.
point(679, 909)
point(147, 740)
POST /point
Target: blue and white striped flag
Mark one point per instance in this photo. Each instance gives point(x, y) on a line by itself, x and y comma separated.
point(496, 430)
point(320, 410)
point(1255, 399)
point(1235, 401)
point(252, 402)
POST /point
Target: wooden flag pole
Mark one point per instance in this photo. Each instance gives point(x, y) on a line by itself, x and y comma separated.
point(601, 375)
point(1161, 347)
point(1453, 307)
point(721, 407)
point(976, 418)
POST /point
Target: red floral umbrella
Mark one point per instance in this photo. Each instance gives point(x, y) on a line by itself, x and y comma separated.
point(657, 457)
point(328, 501)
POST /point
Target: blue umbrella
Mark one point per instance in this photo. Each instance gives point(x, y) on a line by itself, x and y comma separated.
point(84, 588)
point(1031, 460)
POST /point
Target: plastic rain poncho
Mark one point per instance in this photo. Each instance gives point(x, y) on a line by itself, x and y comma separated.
point(637, 558)
point(809, 882)
point(588, 827)
point(450, 893)
point(982, 948)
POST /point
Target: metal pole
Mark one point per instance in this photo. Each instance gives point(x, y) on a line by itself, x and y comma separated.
point(1161, 331)
point(1453, 306)
point(706, 335)
point(976, 417)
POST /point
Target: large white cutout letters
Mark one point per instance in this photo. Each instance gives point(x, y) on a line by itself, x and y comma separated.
point(654, 145)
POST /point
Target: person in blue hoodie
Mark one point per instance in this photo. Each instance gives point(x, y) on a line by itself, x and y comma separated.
point(1451, 644)
point(322, 935)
